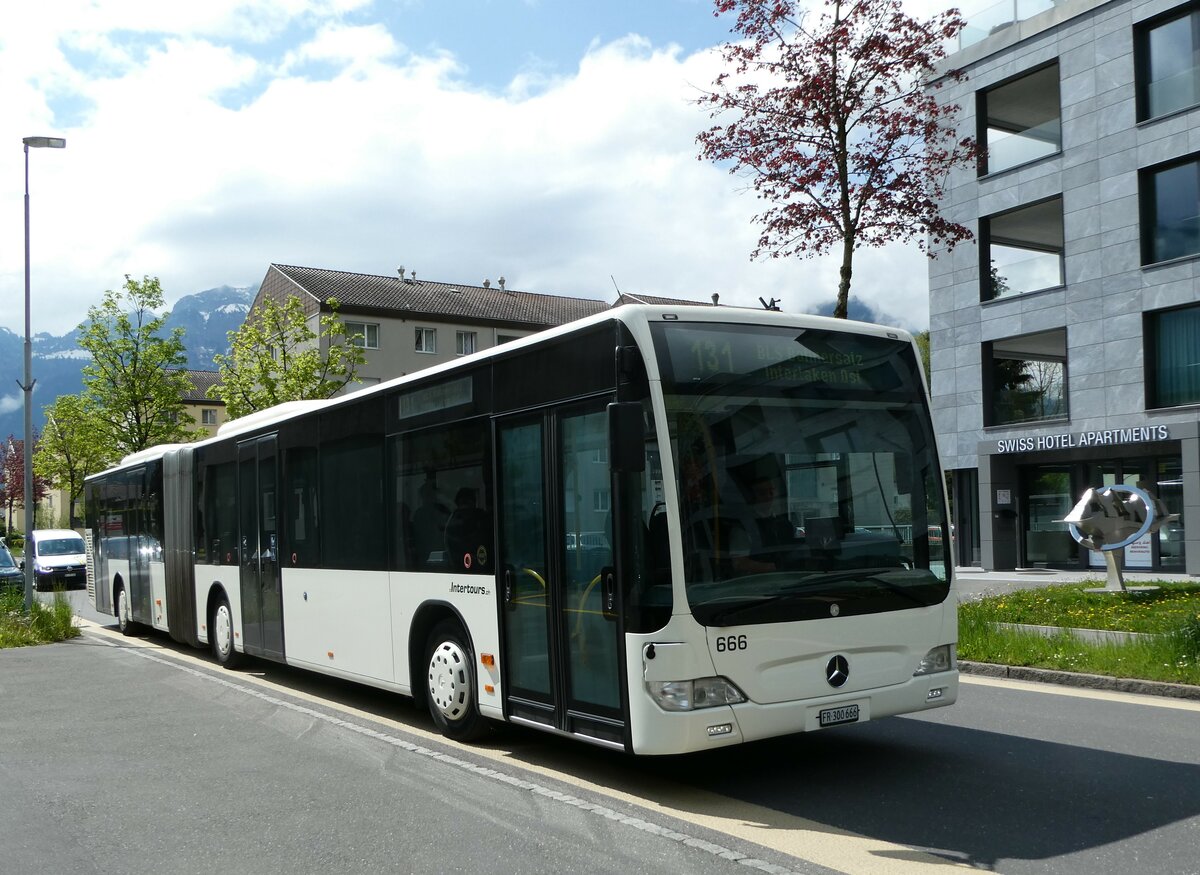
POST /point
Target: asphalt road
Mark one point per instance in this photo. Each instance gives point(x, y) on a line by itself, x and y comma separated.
point(119, 758)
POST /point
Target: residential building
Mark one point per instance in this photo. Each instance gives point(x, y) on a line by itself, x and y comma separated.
point(204, 410)
point(1065, 340)
point(405, 324)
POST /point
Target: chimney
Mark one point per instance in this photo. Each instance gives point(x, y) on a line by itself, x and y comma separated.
point(716, 297)
point(400, 270)
point(500, 282)
point(487, 284)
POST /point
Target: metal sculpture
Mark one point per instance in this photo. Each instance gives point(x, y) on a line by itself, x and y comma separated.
point(1111, 518)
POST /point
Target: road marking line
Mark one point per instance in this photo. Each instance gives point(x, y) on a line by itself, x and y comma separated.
point(1083, 692)
point(806, 840)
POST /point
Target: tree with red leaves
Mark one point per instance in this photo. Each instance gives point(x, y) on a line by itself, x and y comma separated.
point(834, 123)
point(12, 477)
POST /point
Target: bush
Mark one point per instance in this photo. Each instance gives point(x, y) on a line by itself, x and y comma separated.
point(44, 623)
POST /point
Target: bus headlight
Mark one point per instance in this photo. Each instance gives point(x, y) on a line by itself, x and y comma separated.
point(942, 658)
point(690, 695)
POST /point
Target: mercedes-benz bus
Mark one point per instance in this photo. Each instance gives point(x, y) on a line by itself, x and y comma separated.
point(658, 529)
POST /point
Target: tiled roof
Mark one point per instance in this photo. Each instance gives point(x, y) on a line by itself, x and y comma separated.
point(391, 294)
point(201, 382)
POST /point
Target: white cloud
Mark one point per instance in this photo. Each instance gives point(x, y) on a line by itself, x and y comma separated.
point(197, 162)
point(357, 48)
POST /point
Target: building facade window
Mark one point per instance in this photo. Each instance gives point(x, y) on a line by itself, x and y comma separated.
point(208, 416)
point(1025, 378)
point(1172, 357)
point(601, 500)
point(363, 334)
point(426, 340)
point(1167, 63)
point(1020, 120)
point(505, 338)
point(1170, 207)
point(464, 342)
point(1021, 250)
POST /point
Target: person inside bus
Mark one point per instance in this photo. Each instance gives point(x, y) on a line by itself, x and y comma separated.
point(429, 526)
point(761, 539)
point(468, 533)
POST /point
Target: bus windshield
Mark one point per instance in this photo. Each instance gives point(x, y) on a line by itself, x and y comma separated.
point(807, 470)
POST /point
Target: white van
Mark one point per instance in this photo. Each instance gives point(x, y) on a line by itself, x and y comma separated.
point(59, 559)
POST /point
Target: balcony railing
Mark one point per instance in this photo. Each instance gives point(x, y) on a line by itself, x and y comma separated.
point(984, 22)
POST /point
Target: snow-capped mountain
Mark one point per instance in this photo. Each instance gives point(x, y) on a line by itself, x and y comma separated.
point(207, 317)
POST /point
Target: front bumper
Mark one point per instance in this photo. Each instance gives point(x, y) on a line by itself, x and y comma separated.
point(709, 728)
point(66, 577)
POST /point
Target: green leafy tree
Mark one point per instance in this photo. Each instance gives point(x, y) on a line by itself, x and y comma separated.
point(72, 447)
point(922, 339)
point(135, 382)
point(277, 356)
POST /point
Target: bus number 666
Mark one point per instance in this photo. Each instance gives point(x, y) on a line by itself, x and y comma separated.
point(731, 642)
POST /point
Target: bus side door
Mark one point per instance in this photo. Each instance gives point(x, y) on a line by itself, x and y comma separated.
point(258, 540)
point(560, 601)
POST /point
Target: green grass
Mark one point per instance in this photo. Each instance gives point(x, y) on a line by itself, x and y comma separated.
point(44, 624)
point(1171, 614)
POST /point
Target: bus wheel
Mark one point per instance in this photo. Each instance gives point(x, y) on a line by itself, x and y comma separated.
point(220, 633)
point(451, 684)
point(124, 623)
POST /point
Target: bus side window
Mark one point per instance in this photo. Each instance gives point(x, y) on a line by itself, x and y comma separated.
point(441, 473)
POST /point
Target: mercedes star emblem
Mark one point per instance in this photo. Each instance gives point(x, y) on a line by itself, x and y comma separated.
point(837, 672)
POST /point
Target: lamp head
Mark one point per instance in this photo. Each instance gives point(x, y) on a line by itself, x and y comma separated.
point(45, 142)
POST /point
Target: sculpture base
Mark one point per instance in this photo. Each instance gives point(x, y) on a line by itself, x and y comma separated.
point(1116, 580)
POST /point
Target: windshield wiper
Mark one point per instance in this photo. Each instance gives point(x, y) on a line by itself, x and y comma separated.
point(811, 585)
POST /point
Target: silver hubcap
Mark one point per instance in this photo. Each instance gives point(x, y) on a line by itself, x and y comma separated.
point(448, 680)
point(223, 630)
point(122, 609)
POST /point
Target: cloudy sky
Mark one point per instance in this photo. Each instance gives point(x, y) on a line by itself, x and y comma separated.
point(551, 142)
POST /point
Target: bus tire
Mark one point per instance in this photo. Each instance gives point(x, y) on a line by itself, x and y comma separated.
point(450, 679)
point(121, 609)
point(220, 633)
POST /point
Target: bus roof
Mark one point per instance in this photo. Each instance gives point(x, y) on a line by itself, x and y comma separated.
point(634, 315)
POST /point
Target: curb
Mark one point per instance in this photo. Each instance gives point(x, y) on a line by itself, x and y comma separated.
point(1075, 679)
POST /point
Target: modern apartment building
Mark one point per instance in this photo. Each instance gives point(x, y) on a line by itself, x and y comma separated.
point(1065, 340)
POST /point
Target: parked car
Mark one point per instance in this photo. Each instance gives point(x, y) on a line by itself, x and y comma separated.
point(11, 575)
point(59, 558)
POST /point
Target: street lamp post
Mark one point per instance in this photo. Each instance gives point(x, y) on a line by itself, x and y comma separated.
point(27, 386)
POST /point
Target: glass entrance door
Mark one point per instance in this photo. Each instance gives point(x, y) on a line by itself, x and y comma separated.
point(1047, 497)
point(562, 626)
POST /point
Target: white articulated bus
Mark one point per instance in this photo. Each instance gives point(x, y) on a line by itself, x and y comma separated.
point(658, 529)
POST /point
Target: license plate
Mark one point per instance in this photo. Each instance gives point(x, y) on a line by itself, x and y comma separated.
point(843, 714)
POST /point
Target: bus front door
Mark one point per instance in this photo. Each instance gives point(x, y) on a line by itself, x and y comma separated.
point(262, 601)
point(561, 611)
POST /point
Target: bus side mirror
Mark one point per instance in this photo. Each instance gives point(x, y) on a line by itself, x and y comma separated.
point(626, 437)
